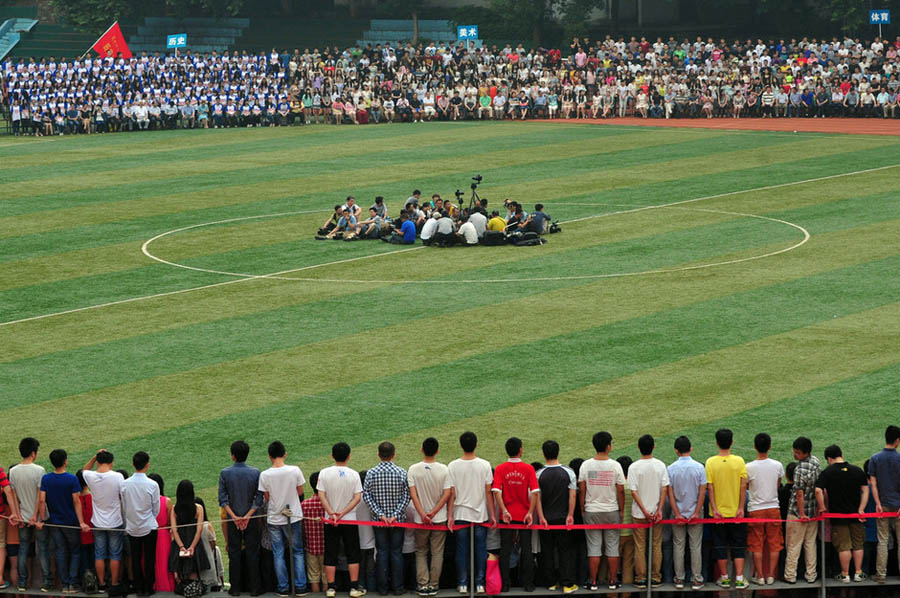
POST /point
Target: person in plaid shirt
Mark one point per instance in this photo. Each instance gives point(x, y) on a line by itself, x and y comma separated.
point(314, 536)
point(802, 534)
point(386, 493)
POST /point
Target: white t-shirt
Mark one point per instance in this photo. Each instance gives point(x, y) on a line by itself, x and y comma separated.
point(281, 483)
point(763, 479)
point(647, 477)
point(340, 483)
point(106, 493)
point(428, 229)
point(601, 478)
point(430, 480)
point(362, 512)
point(467, 230)
point(468, 477)
point(479, 220)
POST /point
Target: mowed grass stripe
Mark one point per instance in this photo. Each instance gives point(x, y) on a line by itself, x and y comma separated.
point(391, 172)
point(251, 144)
point(181, 350)
point(584, 346)
point(829, 414)
point(645, 403)
point(286, 302)
point(287, 153)
point(311, 424)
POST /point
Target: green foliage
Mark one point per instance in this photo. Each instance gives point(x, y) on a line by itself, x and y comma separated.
point(94, 15)
point(210, 8)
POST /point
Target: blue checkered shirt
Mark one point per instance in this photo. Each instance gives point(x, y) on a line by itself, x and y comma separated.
point(386, 491)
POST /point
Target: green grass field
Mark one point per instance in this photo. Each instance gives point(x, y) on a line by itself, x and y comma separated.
point(612, 325)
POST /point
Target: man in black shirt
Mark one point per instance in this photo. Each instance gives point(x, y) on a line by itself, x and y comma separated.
point(557, 507)
point(847, 489)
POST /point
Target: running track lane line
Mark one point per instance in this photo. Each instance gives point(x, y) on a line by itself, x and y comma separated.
point(238, 280)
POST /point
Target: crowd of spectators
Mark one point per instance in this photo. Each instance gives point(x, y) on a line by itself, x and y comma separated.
point(596, 79)
point(123, 530)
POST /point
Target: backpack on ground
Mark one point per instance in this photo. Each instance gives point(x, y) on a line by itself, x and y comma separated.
point(493, 238)
point(89, 583)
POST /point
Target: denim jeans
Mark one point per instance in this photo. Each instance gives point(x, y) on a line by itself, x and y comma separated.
point(389, 550)
point(292, 533)
point(27, 535)
point(66, 541)
point(462, 553)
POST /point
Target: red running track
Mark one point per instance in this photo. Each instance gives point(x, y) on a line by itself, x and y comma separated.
point(850, 126)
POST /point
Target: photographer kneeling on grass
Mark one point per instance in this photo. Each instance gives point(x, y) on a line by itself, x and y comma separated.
point(406, 234)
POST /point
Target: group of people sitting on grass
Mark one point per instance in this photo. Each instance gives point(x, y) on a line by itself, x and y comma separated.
point(284, 536)
point(438, 222)
point(600, 79)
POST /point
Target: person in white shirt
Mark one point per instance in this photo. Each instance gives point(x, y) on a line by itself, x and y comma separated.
point(366, 542)
point(430, 228)
point(140, 501)
point(467, 234)
point(429, 490)
point(648, 481)
point(471, 502)
point(340, 491)
point(764, 476)
point(601, 484)
point(282, 485)
point(479, 221)
point(106, 489)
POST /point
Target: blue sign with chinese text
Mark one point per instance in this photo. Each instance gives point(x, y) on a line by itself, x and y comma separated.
point(881, 16)
point(179, 40)
point(467, 32)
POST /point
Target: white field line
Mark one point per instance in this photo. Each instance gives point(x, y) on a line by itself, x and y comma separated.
point(237, 280)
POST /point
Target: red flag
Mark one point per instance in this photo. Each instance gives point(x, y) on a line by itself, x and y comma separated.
point(112, 43)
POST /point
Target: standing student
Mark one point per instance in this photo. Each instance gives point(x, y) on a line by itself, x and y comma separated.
point(8, 504)
point(386, 492)
point(429, 491)
point(240, 497)
point(340, 490)
point(282, 486)
point(848, 493)
point(601, 484)
point(61, 497)
point(25, 479)
point(314, 536)
point(764, 477)
point(471, 502)
point(687, 492)
point(726, 476)
point(106, 495)
point(140, 500)
point(648, 481)
point(802, 533)
point(884, 478)
point(559, 490)
point(516, 493)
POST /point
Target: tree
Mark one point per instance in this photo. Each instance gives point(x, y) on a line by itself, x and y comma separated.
point(92, 15)
point(408, 8)
point(530, 17)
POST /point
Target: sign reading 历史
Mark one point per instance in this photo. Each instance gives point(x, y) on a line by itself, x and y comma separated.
point(881, 16)
point(467, 32)
point(179, 40)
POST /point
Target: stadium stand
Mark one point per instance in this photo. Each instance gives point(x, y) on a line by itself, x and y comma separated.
point(204, 34)
point(384, 31)
point(58, 40)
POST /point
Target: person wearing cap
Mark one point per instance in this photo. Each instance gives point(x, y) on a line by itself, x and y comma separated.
point(430, 228)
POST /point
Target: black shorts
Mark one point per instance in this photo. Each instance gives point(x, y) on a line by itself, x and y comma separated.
point(334, 534)
point(729, 535)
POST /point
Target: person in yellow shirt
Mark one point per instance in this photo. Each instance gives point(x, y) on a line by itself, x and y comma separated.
point(726, 476)
point(496, 222)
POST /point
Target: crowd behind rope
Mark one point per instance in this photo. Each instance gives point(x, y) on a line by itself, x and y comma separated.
point(123, 532)
point(601, 79)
